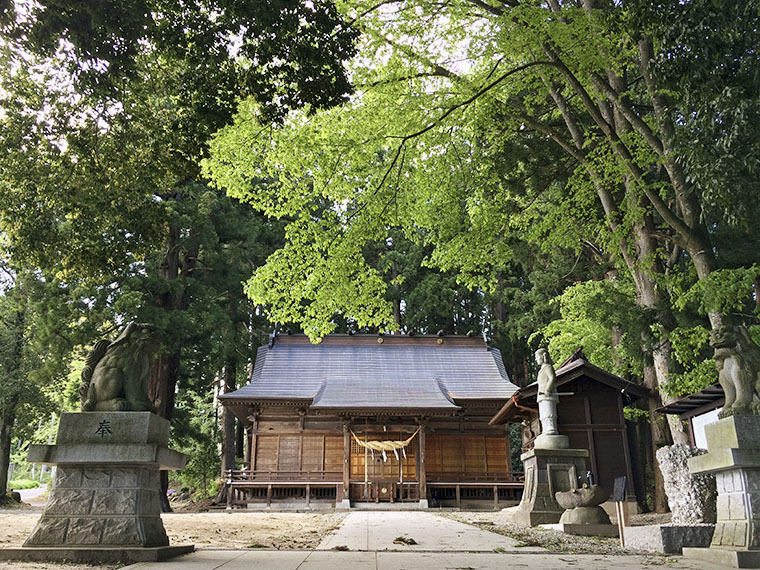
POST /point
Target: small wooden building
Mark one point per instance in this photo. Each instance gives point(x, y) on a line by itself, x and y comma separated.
point(590, 414)
point(312, 411)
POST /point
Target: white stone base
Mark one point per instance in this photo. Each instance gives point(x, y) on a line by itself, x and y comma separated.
point(731, 558)
point(345, 504)
point(95, 555)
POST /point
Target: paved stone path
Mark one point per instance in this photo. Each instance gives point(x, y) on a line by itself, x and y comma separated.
point(372, 531)
point(443, 544)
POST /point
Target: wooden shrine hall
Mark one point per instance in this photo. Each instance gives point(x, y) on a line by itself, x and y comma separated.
point(367, 418)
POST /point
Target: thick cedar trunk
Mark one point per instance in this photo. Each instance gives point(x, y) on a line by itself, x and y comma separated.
point(8, 418)
point(6, 427)
point(177, 263)
point(228, 418)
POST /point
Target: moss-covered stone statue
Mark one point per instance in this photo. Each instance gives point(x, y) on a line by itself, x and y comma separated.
point(737, 358)
point(116, 374)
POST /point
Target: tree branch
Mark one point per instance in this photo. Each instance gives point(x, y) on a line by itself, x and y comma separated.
point(621, 149)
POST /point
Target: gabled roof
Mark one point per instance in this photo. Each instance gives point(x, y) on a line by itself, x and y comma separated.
point(367, 371)
point(574, 367)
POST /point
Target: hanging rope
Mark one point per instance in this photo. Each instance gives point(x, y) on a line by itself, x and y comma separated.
point(383, 446)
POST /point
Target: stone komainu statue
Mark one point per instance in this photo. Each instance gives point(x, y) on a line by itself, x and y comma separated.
point(115, 376)
point(737, 358)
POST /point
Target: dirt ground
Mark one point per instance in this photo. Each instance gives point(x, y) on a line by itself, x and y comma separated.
point(205, 530)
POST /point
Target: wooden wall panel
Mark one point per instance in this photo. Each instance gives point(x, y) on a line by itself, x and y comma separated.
point(289, 453)
point(333, 453)
point(473, 453)
point(571, 410)
point(433, 462)
point(606, 409)
point(312, 452)
point(451, 453)
point(467, 454)
point(611, 462)
point(496, 454)
point(266, 452)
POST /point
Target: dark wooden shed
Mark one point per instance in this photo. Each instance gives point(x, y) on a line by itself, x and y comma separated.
point(591, 416)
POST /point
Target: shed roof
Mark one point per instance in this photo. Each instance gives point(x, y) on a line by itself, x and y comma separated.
point(357, 371)
point(703, 401)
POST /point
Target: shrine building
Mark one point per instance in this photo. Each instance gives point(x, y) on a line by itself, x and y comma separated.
point(368, 418)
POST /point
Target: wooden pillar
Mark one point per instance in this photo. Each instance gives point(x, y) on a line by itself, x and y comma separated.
point(248, 447)
point(495, 498)
point(253, 430)
point(346, 459)
point(421, 468)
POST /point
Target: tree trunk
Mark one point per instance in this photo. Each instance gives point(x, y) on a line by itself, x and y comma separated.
point(165, 367)
point(660, 436)
point(6, 428)
point(16, 369)
point(228, 418)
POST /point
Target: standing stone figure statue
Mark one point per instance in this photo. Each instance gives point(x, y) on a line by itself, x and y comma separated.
point(547, 393)
point(116, 374)
point(547, 399)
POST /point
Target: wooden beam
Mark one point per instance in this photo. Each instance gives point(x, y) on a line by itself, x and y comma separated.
point(421, 468)
point(346, 456)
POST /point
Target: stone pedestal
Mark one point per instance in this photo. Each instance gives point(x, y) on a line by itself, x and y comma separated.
point(547, 471)
point(104, 503)
point(668, 538)
point(733, 456)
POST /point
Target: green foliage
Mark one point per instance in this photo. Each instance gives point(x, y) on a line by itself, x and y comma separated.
point(210, 42)
point(17, 484)
point(589, 313)
point(725, 290)
point(633, 413)
point(195, 433)
point(691, 349)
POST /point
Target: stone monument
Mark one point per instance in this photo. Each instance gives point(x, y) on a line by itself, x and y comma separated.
point(733, 453)
point(550, 467)
point(104, 505)
point(691, 498)
point(547, 399)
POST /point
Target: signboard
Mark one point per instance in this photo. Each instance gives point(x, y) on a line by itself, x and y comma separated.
point(618, 491)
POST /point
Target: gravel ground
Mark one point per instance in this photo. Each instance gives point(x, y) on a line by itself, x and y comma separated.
point(552, 540)
point(232, 530)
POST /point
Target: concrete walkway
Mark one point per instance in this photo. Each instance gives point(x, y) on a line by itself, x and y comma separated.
point(29, 495)
point(442, 544)
point(373, 531)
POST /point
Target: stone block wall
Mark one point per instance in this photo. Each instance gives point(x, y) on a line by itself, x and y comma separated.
point(738, 524)
point(102, 506)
